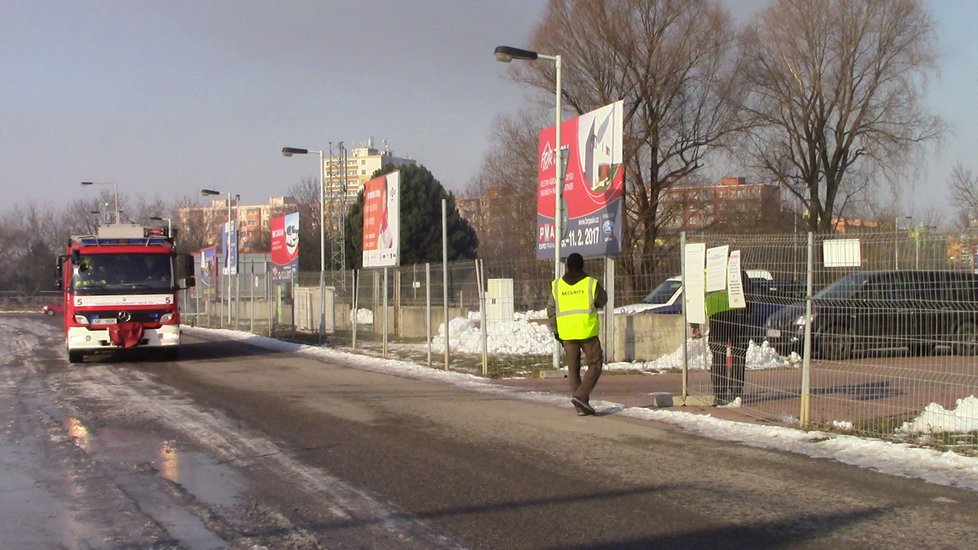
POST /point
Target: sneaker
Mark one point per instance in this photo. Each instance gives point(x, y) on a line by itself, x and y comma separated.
point(583, 406)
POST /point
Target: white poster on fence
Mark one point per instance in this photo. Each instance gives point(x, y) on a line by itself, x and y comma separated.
point(694, 295)
point(841, 253)
point(716, 268)
point(735, 284)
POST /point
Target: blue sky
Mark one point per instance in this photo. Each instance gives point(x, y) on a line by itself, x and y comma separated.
point(165, 98)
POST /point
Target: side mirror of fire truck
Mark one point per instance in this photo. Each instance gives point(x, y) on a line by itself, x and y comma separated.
point(185, 267)
point(59, 268)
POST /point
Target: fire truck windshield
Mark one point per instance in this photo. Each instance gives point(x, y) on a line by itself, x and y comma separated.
point(122, 272)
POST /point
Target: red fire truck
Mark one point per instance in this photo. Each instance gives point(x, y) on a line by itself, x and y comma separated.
point(121, 291)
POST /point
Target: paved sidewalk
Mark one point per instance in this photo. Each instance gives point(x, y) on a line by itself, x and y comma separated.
point(631, 390)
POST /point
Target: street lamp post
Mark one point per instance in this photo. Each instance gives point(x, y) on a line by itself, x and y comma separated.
point(288, 152)
point(116, 187)
point(227, 244)
point(505, 54)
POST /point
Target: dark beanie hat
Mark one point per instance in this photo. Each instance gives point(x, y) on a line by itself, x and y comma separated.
point(575, 261)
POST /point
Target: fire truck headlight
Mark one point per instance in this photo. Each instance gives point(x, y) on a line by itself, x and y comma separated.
point(81, 319)
point(166, 317)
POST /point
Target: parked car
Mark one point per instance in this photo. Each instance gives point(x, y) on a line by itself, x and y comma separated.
point(667, 297)
point(666, 294)
point(765, 296)
point(872, 310)
point(53, 309)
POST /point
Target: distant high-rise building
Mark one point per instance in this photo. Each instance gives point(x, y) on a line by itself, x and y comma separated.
point(350, 169)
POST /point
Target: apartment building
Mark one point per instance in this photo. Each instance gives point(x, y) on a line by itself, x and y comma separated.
point(253, 220)
point(349, 169)
point(732, 201)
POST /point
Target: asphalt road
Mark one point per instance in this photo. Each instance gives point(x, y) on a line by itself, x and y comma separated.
point(237, 447)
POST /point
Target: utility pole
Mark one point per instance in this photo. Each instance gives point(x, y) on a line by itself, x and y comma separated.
point(338, 188)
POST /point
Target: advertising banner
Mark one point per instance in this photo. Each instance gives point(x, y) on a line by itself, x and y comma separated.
point(594, 184)
point(229, 240)
point(285, 247)
point(206, 271)
point(381, 221)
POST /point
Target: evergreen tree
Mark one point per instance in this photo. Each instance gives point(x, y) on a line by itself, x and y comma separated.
point(420, 228)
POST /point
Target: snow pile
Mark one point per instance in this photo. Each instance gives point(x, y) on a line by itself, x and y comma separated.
point(364, 316)
point(935, 418)
point(758, 357)
point(503, 337)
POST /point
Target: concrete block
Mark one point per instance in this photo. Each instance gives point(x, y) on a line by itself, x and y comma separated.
point(661, 399)
point(693, 401)
point(553, 374)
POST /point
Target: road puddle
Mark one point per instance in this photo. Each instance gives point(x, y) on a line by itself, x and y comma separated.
point(207, 479)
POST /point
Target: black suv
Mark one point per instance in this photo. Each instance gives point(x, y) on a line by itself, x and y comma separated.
point(871, 310)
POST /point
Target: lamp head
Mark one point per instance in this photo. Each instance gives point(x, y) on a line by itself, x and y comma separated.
point(506, 54)
point(289, 151)
point(207, 192)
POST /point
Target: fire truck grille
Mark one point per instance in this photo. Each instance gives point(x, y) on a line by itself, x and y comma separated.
point(124, 316)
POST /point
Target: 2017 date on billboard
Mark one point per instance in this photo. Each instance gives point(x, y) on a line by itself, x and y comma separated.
point(582, 237)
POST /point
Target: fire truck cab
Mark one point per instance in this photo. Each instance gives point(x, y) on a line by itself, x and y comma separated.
point(121, 291)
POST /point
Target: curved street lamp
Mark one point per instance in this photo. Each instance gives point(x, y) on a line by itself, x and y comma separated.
point(288, 152)
point(116, 187)
point(505, 54)
point(227, 245)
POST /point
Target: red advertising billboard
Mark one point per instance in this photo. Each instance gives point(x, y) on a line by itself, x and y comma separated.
point(285, 247)
point(594, 184)
point(381, 221)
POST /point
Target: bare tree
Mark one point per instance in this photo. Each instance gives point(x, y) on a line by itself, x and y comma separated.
point(506, 189)
point(191, 226)
point(307, 196)
point(964, 194)
point(673, 63)
point(835, 84)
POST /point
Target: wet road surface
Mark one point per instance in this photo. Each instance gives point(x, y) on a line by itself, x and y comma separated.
point(237, 447)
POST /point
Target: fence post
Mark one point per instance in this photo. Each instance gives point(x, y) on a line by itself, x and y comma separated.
point(427, 307)
point(383, 288)
point(609, 315)
point(806, 391)
point(356, 306)
point(685, 350)
point(482, 316)
point(444, 273)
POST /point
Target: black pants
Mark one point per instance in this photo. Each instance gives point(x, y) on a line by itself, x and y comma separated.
point(729, 360)
point(582, 388)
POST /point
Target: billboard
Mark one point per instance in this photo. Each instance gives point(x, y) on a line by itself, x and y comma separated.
point(594, 184)
point(206, 271)
point(284, 247)
point(381, 221)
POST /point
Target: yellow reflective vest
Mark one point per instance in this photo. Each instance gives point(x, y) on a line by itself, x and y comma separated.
point(577, 319)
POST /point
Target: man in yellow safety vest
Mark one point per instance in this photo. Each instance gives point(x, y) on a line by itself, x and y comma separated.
point(572, 313)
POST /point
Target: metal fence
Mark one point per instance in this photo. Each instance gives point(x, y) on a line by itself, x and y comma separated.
point(893, 337)
point(872, 389)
